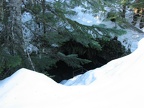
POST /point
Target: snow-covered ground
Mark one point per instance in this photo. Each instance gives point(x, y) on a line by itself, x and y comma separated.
point(118, 84)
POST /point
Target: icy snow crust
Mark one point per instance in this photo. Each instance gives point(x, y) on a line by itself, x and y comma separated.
point(118, 84)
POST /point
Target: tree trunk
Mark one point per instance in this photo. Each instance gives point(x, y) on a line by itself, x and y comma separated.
point(43, 11)
point(123, 11)
point(1, 10)
point(16, 24)
point(16, 32)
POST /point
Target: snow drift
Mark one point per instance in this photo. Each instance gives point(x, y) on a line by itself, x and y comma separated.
point(118, 84)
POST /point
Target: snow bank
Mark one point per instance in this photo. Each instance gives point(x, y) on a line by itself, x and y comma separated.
point(118, 67)
point(130, 39)
point(24, 87)
point(118, 84)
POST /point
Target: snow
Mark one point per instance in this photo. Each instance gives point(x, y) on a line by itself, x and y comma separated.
point(87, 18)
point(129, 40)
point(118, 84)
point(120, 67)
point(26, 16)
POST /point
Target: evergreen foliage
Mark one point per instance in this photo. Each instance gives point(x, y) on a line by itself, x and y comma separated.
point(138, 4)
point(55, 35)
point(118, 13)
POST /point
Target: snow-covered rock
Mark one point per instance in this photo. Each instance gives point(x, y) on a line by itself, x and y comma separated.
point(118, 84)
